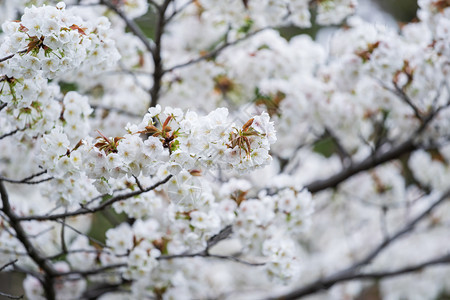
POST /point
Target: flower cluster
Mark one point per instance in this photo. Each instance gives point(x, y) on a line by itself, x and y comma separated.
point(179, 142)
point(53, 40)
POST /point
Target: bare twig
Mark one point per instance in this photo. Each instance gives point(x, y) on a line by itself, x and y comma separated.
point(138, 183)
point(117, 110)
point(215, 52)
point(9, 296)
point(84, 210)
point(222, 235)
point(26, 180)
point(63, 240)
point(12, 55)
point(328, 282)
point(203, 254)
point(8, 264)
point(407, 228)
point(11, 133)
point(131, 25)
point(345, 157)
point(370, 162)
point(7, 57)
point(374, 159)
point(83, 234)
point(353, 272)
point(95, 291)
point(177, 11)
point(85, 273)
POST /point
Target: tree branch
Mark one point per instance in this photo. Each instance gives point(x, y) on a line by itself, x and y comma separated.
point(215, 52)
point(92, 271)
point(157, 60)
point(84, 210)
point(8, 264)
point(34, 254)
point(10, 296)
point(26, 180)
point(328, 282)
point(222, 235)
point(131, 25)
point(207, 255)
point(352, 273)
point(374, 159)
point(11, 133)
point(368, 163)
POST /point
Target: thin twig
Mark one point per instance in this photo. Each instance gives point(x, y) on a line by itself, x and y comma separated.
point(353, 272)
point(131, 25)
point(222, 235)
point(63, 240)
point(117, 110)
point(138, 183)
point(8, 264)
point(11, 133)
point(215, 52)
point(206, 255)
point(83, 234)
point(374, 159)
point(177, 11)
point(26, 180)
point(9, 296)
point(85, 273)
point(7, 57)
point(84, 210)
point(12, 55)
point(328, 282)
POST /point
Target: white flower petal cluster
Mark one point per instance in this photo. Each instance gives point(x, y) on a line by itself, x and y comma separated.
point(181, 142)
point(30, 104)
point(267, 13)
point(135, 245)
point(55, 41)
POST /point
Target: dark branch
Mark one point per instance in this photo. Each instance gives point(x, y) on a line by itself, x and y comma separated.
point(34, 254)
point(27, 179)
point(12, 55)
point(117, 110)
point(100, 289)
point(157, 60)
point(92, 271)
point(407, 228)
point(10, 296)
point(8, 264)
point(84, 210)
point(215, 52)
point(352, 273)
point(11, 133)
point(7, 57)
point(222, 235)
point(374, 159)
point(177, 11)
point(130, 23)
point(328, 282)
point(207, 255)
point(370, 162)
